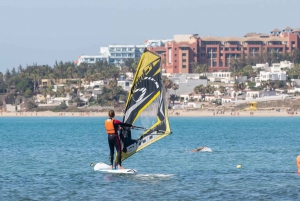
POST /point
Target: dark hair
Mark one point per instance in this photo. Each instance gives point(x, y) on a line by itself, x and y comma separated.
point(111, 113)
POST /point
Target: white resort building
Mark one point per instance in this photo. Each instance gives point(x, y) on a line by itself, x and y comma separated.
point(113, 54)
point(116, 54)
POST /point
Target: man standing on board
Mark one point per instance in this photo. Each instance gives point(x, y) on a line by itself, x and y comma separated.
point(112, 126)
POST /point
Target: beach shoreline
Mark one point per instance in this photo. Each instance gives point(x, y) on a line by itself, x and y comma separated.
point(175, 113)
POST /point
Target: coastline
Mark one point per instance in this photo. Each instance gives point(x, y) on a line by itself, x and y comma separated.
point(175, 113)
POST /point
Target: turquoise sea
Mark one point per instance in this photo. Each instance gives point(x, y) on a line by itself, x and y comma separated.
point(48, 158)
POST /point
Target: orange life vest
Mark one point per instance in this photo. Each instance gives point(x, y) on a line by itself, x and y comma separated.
point(109, 126)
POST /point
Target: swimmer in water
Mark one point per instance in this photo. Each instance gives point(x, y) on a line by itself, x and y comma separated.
point(198, 149)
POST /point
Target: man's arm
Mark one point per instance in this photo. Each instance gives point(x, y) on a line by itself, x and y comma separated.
point(119, 123)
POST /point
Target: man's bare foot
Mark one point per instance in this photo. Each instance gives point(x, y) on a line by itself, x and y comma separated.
point(120, 167)
point(111, 167)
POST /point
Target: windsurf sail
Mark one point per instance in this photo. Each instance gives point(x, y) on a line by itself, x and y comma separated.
point(145, 107)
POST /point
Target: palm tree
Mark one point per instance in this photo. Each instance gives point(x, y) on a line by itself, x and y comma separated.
point(234, 65)
point(200, 90)
point(236, 86)
point(173, 98)
point(222, 90)
point(112, 84)
point(167, 83)
point(175, 87)
point(242, 86)
point(210, 89)
point(70, 71)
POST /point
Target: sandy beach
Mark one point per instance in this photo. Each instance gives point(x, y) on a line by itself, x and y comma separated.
point(175, 113)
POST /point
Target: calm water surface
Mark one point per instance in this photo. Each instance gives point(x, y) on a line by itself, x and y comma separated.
point(48, 159)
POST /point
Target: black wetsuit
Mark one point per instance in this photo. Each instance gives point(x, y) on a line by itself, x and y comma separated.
point(114, 142)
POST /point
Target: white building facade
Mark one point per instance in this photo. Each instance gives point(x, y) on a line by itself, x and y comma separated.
point(114, 54)
point(272, 76)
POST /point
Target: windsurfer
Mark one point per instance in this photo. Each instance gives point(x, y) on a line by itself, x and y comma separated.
point(112, 125)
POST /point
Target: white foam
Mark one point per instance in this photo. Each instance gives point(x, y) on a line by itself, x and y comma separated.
point(206, 149)
point(155, 175)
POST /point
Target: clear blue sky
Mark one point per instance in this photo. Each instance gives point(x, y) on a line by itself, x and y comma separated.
point(36, 31)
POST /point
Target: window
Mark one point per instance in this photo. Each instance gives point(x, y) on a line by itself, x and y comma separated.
point(183, 54)
point(212, 42)
point(175, 66)
point(175, 60)
point(211, 55)
point(183, 60)
point(183, 66)
point(234, 43)
point(175, 55)
point(255, 42)
point(170, 55)
point(211, 49)
point(253, 49)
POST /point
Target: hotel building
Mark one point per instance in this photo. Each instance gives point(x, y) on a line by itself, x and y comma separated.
point(179, 54)
point(116, 54)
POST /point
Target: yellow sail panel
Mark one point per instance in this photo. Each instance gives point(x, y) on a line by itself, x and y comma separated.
point(145, 107)
point(145, 66)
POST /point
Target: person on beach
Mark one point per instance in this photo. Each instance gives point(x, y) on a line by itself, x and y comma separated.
point(112, 126)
